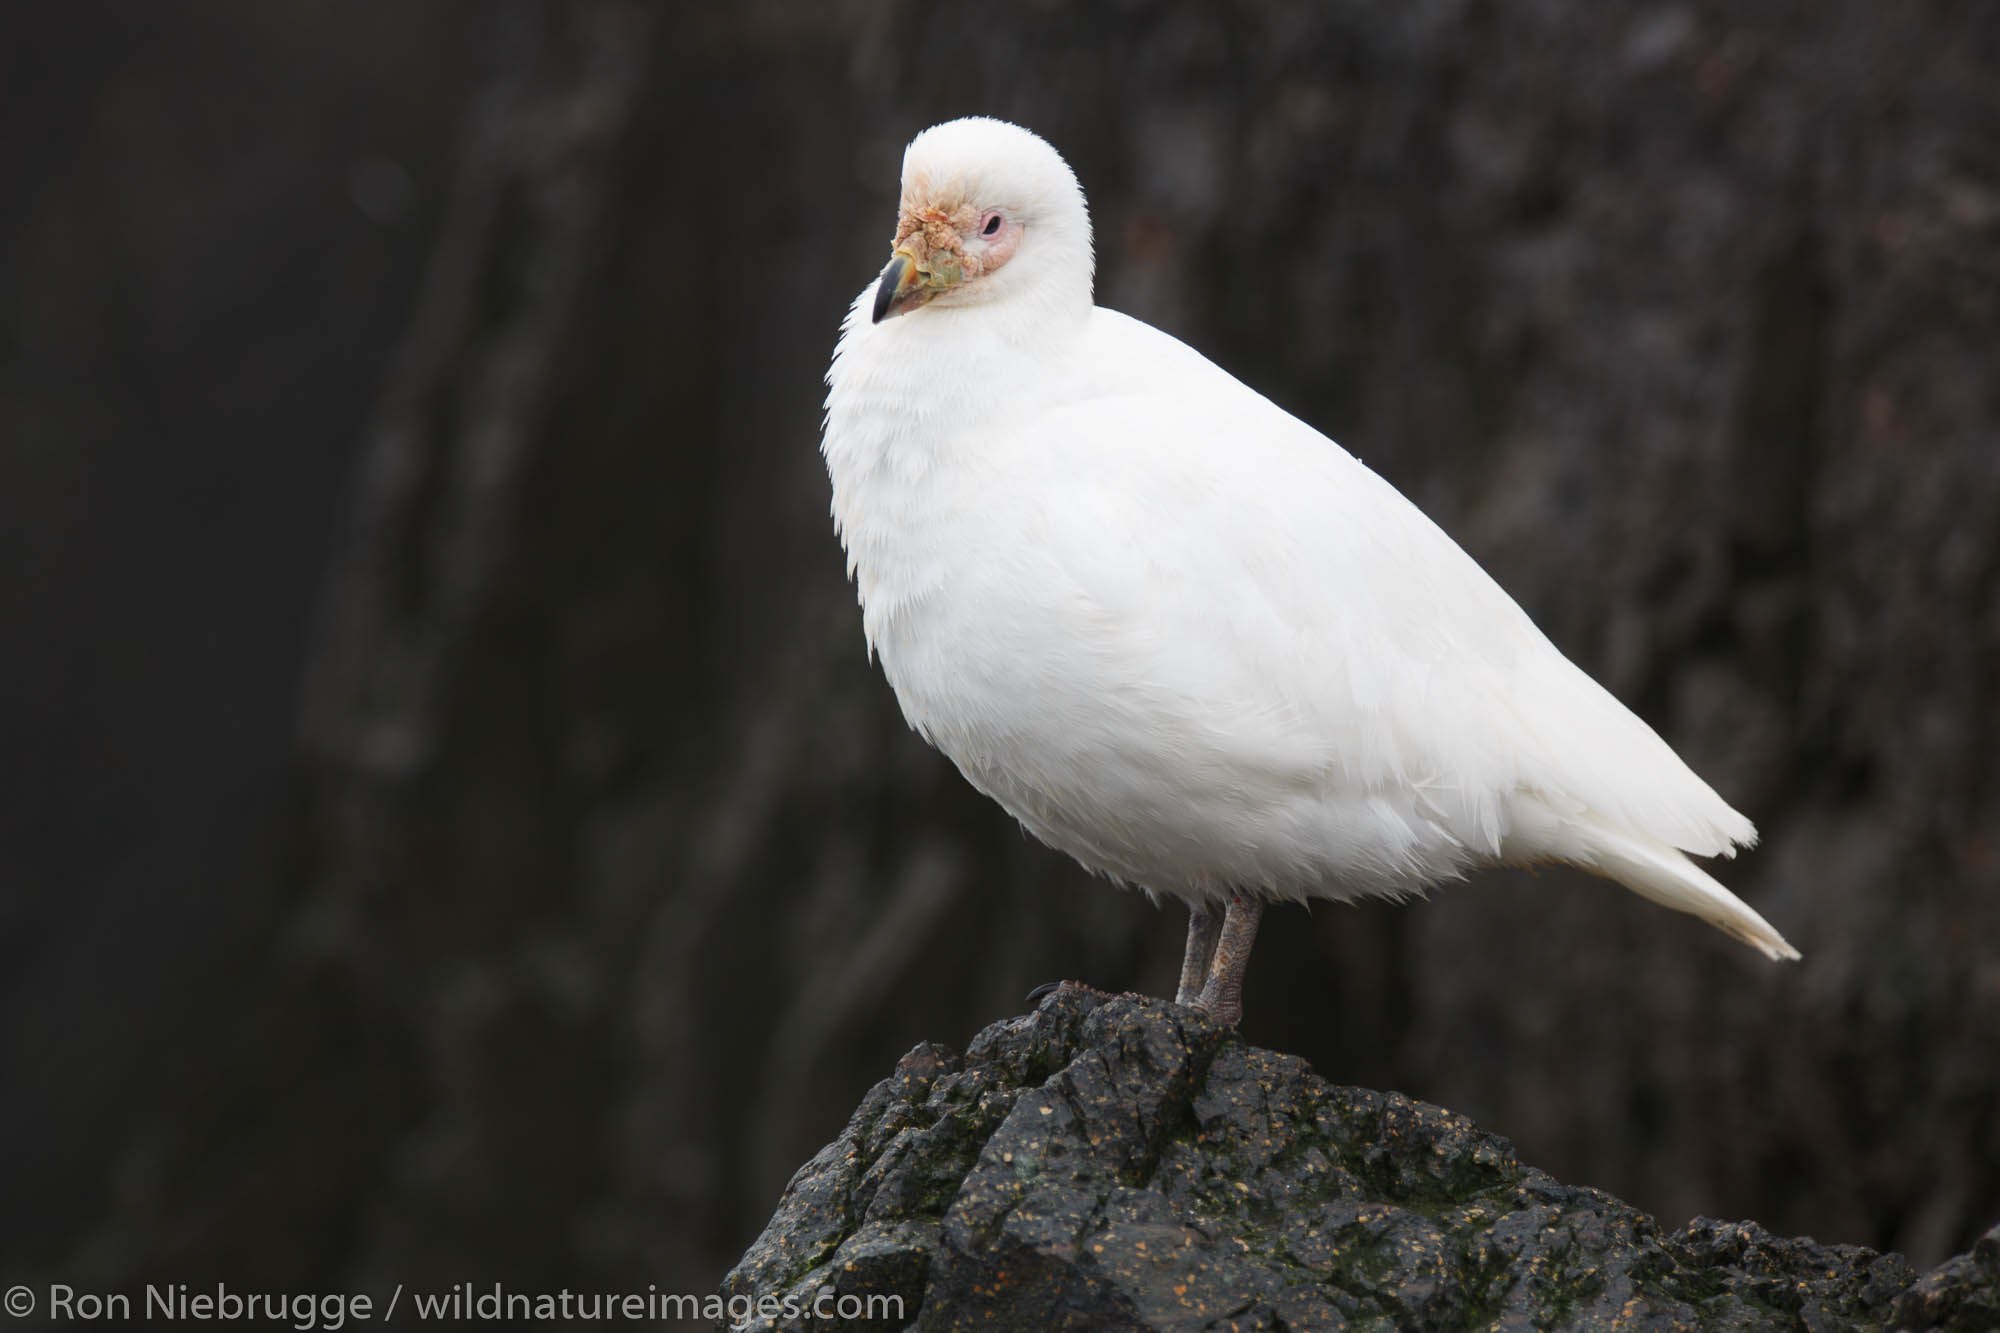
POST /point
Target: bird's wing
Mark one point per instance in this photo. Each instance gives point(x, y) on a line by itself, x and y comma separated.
point(1250, 566)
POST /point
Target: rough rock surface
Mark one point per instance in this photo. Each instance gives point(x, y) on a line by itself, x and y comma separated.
point(1123, 1164)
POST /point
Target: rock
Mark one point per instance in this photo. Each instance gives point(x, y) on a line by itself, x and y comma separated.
point(1961, 1294)
point(1123, 1164)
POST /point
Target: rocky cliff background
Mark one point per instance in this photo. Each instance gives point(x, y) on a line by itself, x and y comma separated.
point(452, 831)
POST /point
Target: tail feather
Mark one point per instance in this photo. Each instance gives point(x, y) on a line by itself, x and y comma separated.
point(1654, 870)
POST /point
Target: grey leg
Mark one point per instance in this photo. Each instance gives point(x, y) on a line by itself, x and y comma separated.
point(1204, 923)
point(1222, 996)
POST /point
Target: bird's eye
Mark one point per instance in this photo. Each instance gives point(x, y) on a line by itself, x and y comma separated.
point(992, 227)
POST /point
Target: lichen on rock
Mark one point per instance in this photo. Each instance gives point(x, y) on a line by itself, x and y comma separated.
point(1123, 1164)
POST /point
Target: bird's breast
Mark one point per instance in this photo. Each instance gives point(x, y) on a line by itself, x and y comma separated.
point(917, 539)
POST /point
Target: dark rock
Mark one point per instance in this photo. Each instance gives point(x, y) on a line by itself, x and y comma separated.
point(1961, 1294)
point(1123, 1164)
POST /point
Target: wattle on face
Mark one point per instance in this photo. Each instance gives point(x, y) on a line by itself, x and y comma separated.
point(942, 242)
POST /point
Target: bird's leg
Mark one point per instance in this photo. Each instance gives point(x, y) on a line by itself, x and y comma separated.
point(1222, 996)
point(1204, 923)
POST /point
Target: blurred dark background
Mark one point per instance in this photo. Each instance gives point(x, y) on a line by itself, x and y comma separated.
point(451, 828)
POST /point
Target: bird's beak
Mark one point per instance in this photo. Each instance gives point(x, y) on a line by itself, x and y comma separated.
point(909, 282)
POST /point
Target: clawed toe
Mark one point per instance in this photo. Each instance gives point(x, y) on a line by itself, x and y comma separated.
point(1048, 988)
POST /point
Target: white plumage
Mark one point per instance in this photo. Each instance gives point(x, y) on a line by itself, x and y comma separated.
point(1176, 632)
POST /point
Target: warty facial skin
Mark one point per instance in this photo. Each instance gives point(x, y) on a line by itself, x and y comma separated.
point(1179, 634)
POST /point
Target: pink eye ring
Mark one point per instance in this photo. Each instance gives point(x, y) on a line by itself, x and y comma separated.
point(990, 225)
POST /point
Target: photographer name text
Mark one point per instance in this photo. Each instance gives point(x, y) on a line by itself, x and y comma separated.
point(181, 1302)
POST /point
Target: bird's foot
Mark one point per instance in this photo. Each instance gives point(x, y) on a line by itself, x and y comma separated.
point(1222, 1003)
point(1048, 988)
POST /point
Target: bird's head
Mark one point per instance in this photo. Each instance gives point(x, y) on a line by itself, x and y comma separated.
point(981, 196)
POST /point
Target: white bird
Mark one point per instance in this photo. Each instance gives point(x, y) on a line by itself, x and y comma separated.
point(1178, 633)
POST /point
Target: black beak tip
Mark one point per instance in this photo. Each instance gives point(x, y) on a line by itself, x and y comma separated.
point(892, 283)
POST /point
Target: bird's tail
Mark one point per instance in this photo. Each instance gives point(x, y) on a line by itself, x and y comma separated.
point(1654, 870)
